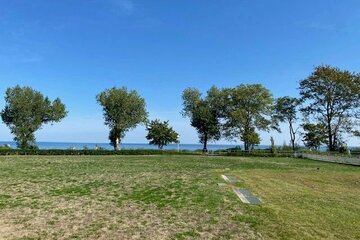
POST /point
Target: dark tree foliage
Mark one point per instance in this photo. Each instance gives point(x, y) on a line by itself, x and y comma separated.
point(286, 111)
point(314, 135)
point(251, 137)
point(161, 134)
point(26, 111)
point(123, 110)
point(248, 108)
point(204, 113)
point(330, 97)
point(356, 133)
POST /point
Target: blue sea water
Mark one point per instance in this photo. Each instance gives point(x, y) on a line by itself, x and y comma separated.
point(68, 145)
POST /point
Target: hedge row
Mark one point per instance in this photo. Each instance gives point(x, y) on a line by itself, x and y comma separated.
point(93, 152)
point(255, 153)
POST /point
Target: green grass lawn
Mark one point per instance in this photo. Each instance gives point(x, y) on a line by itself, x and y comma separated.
point(176, 197)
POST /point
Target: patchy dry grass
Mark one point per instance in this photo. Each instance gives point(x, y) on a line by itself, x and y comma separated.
point(175, 197)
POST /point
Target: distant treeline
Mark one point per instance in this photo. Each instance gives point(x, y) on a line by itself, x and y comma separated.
point(327, 109)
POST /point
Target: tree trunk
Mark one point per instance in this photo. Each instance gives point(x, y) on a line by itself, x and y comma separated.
point(335, 142)
point(330, 138)
point(293, 144)
point(117, 145)
point(205, 143)
point(246, 146)
point(292, 136)
point(329, 130)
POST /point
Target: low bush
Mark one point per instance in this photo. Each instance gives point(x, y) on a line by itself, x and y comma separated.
point(227, 152)
point(5, 147)
point(92, 152)
point(252, 153)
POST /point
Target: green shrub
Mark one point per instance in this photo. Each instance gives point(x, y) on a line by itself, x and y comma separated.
point(92, 152)
point(343, 149)
point(286, 148)
point(273, 148)
point(5, 147)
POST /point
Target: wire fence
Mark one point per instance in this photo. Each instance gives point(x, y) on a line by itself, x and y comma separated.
point(350, 157)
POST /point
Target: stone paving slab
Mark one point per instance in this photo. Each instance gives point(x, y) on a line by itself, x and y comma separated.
point(246, 196)
point(245, 192)
point(230, 179)
point(253, 200)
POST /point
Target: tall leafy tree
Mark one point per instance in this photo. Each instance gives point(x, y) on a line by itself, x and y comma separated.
point(161, 134)
point(26, 111)
point(204, 113)
point(286, 111)
point(123, 110)
point(248, 108)
point(330, 97)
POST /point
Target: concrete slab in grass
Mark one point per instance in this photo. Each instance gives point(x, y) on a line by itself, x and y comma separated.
point(253, 200)
point(245, 192)
point(246, 196)
point(230, 179)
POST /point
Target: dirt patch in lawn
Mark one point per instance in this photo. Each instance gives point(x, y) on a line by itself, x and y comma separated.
point(89, 219)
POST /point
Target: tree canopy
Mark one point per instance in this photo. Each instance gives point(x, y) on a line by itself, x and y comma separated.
point(286, 111)
point(329, 102)
point(330, 97)
point(26, 111)
point(248, 108)
point(161, 134)
point(123, 110)
point(204, 113)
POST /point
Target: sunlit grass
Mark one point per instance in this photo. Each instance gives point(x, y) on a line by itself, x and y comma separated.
point(176, 197)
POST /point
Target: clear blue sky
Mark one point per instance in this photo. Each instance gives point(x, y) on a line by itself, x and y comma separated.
point(76, 48)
